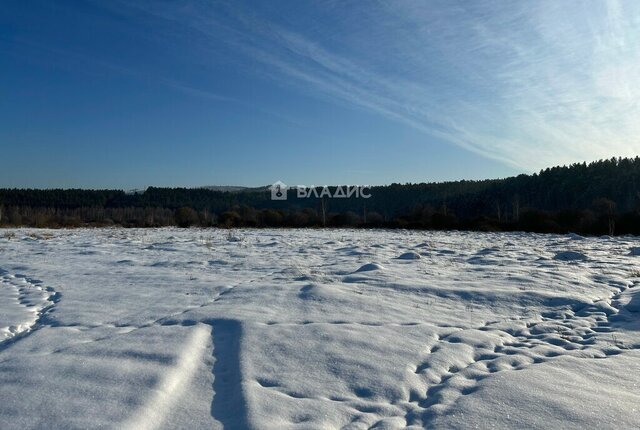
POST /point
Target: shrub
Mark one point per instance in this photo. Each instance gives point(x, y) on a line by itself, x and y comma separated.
point(186, 217)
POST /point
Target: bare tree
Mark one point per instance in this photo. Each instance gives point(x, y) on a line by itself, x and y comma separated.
point(607, 208)
point(324, 212)
point(516, 208)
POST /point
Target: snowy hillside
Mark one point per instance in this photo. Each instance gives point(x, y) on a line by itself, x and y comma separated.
point(314, 329)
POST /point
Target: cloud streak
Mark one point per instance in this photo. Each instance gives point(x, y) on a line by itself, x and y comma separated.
point(530, 84)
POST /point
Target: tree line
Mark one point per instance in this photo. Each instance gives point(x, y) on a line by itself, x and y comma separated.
point(601, 197)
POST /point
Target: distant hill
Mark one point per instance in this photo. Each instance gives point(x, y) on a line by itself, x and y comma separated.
point(601, 197)
point(234, 188)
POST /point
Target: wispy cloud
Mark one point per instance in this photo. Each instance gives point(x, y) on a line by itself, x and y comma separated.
point(529, 83)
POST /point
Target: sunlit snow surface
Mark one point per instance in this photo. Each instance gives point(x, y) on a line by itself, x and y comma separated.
point(314, 329)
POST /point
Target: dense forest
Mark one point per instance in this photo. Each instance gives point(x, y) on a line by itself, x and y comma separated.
point(602, 197)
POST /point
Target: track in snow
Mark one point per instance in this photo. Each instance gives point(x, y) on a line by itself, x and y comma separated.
point(28, 302)
point(572, 332)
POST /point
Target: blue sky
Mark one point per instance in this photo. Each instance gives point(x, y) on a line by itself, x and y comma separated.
point(128, 94)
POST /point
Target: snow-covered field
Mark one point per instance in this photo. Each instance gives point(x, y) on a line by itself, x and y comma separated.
point(313, 329)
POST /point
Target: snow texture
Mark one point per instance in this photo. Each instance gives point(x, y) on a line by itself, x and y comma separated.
point(317, 329)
